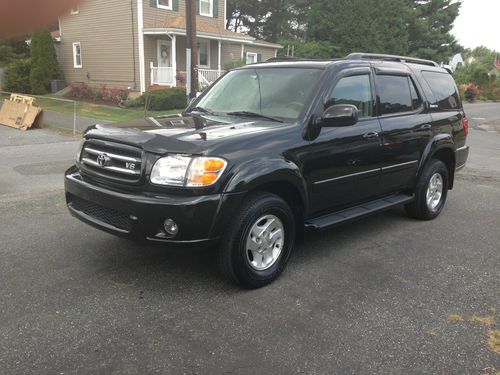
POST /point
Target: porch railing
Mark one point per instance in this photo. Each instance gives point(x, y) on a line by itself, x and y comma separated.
point(163, 76)
point(207, 76)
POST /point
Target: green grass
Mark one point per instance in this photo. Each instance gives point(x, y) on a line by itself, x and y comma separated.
point(98, 111)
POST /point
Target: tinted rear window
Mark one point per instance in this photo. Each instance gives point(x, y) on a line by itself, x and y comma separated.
point(394, 94)
point(444, 89)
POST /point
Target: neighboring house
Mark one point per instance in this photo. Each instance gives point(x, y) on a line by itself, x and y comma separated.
point(142, 43)
point(456, 61)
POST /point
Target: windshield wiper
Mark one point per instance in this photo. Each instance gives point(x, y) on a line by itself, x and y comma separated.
point(201, 110)
point(253, 114)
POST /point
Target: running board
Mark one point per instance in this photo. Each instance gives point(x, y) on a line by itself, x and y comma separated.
point(357, 212)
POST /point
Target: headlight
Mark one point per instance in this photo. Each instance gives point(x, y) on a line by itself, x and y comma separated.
point(179, 170)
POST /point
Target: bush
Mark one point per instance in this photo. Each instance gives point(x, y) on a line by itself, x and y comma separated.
point(17, 77)
point(233, 64)
point(44, 62)
point(470, 91)
point(101, 94)
point(310, 49)
point(163, 100)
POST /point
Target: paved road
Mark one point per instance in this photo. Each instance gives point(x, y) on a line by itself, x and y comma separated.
point(385, 295)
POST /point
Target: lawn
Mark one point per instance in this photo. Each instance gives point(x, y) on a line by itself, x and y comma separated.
point(100, 111)
point(97, 111)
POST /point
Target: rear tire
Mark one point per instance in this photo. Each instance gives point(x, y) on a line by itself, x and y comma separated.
point(258, 243)
point(430, 193)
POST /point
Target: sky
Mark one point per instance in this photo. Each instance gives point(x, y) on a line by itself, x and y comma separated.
point(479, 24)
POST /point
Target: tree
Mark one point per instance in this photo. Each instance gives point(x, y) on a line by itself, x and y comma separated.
point(12, 49)
point(361, 25)
point(44, 66)
point(430, 29)
point(477, 68)
point(309, 49)
point(269, 19)
point(16, 78)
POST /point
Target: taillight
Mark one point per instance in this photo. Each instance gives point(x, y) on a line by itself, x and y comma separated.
point(465, 124)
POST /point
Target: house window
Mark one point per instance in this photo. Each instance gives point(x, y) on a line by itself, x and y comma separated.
point(206, 8)
point(77, 55)
point(74, 10)
point(165, 4)
point(204, 54)
point(251, 58)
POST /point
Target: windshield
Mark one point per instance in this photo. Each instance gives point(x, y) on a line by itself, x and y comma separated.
point(276, 92)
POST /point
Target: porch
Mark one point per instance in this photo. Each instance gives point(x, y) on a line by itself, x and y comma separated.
point(166, 57)
point(168, 77)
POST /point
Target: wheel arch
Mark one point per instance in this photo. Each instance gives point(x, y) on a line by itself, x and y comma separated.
point(442, 148)
point(276, 176)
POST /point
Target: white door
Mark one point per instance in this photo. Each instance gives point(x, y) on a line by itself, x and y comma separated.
point(165, 72)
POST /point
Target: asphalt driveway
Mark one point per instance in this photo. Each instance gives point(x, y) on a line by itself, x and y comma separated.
point(385, 295)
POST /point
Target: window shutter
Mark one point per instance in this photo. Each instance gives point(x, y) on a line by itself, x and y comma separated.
point(153, 3)
point(215, 4)
point(197, 6)
point(175, 5)
point(259, 57)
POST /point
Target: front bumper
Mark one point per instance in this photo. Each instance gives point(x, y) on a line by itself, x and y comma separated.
point(141, 215)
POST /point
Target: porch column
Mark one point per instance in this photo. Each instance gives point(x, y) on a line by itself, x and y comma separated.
point(242, 51)
point(220, 56)
point(174, 59)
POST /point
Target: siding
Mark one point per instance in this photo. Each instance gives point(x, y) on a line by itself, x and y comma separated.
point(153, 16)
point(107, 31)
point(230, 52)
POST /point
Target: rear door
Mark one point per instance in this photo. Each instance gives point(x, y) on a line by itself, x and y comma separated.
point(406, 128)
point(343, 163)
point(445, 107)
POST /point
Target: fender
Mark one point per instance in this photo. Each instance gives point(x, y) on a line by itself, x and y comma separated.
point(437, 143)
point(258, 172)
point(249, 176)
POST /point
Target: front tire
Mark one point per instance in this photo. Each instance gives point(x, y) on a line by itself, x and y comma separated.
point(259, 242)
point(430, 193)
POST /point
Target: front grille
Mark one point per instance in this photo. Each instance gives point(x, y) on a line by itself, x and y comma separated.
point(106, 215)
point(111, 160)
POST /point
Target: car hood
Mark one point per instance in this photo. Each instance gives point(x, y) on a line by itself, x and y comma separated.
point(182, 134)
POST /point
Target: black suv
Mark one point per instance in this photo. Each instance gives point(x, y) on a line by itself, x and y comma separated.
point(272, 150)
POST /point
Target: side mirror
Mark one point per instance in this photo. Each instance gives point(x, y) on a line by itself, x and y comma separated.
point(340, 115)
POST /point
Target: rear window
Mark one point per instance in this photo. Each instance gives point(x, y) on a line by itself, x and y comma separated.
point(394, 94)
point(444, 89)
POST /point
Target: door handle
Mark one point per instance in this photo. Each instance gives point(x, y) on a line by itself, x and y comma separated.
point(426, 127)
point(371, 135)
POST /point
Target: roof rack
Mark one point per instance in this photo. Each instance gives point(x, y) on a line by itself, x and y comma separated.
point(403, 59)
point(284, 58)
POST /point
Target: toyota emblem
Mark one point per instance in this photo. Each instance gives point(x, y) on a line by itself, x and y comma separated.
point(103, 160)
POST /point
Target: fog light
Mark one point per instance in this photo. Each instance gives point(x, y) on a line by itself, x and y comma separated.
point(170, 227)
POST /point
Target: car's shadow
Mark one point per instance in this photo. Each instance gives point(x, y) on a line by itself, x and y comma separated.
point(181, 269)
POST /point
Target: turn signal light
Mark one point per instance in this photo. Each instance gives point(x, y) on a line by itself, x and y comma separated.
point(205, 171)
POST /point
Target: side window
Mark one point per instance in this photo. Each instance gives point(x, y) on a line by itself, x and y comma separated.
point(444, 89)
point(394, 94)
point(355, 90)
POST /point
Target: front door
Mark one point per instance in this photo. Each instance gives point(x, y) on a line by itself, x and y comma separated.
point(344, 163)
point(164, 71)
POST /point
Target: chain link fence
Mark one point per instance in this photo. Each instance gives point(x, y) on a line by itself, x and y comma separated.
point(62, 113)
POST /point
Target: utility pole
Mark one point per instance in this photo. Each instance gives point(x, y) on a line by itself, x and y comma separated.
point(191, 50)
